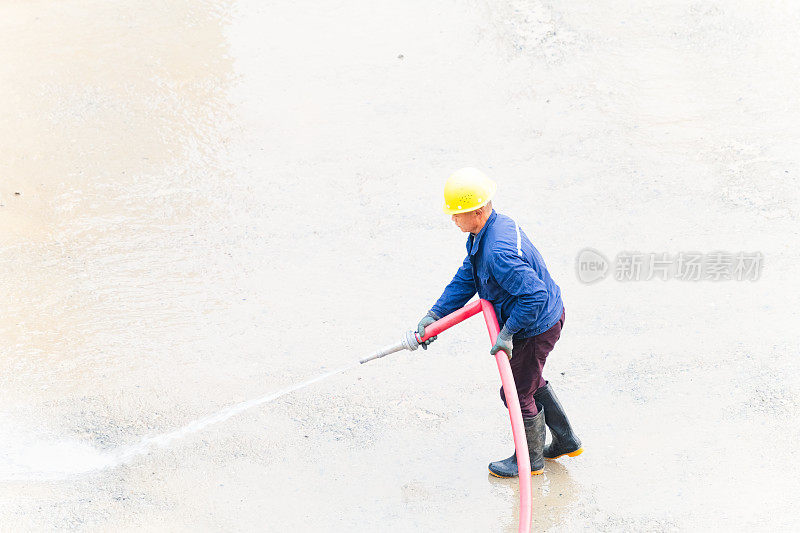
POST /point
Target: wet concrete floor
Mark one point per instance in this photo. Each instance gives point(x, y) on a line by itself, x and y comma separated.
point(203, 203)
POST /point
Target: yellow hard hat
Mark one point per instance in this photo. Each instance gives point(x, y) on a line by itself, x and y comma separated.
point(467, 190)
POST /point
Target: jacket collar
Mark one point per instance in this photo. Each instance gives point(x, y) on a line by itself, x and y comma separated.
point(476, 239)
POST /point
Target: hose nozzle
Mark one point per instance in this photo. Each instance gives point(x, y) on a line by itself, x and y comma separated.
point(410, 341)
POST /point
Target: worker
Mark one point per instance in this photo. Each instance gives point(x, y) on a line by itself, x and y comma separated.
point(503, 267)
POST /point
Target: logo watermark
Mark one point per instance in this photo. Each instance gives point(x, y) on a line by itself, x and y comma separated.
point(592, 266)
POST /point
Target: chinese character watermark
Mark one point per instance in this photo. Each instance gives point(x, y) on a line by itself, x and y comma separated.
point(592, 266)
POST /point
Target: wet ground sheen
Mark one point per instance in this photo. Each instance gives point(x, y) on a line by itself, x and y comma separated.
point(204, 203)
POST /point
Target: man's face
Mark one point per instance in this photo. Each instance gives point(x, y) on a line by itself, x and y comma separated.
point(468, 222)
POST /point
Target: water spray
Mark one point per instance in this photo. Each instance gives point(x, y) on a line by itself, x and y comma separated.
point(26, 463)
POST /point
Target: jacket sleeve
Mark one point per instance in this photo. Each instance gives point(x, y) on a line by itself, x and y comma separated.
point(458, 291)
point(517, 278)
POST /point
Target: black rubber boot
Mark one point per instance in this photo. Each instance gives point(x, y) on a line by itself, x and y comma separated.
point(564, 442)
point(535, 434)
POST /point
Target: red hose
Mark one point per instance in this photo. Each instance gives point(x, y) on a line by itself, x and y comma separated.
point(517, 426)
point(452, 319)
point(514, 411)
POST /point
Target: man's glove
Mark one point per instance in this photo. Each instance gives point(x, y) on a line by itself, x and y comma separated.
point(426, 321)
point(504, 342)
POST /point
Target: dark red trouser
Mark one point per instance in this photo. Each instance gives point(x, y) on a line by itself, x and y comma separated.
point(527, 361)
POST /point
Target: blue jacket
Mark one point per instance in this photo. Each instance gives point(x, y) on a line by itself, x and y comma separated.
point(502, 266)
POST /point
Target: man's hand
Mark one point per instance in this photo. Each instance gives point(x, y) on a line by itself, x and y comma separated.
point(504, 342)
point(426, 321)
